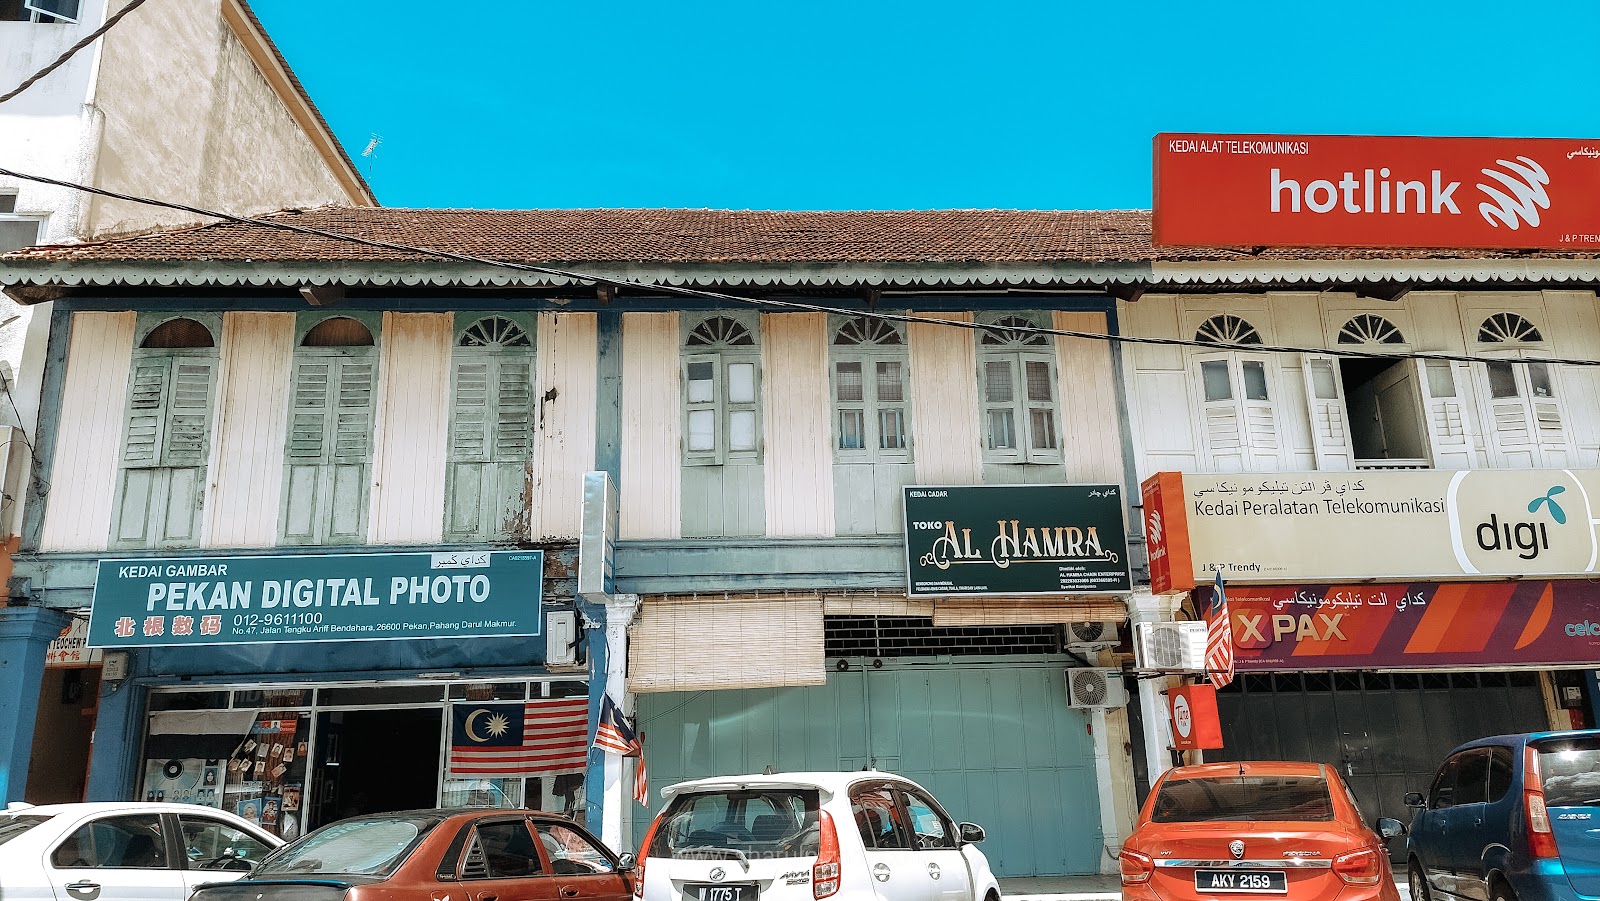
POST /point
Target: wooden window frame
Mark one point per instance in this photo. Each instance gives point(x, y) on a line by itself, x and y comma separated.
point(722, 358)
point(1018, 356)
point(870, 406)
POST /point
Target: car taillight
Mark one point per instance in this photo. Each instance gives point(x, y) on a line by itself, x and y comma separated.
point(644, 854)
point(1135, 867)
point(1363, 867)
point(825, 873)
point(1541, 841)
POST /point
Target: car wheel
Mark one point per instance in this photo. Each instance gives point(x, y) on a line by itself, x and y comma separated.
point(1418, 882)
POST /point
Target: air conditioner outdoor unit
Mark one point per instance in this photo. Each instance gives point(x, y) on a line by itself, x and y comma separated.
point(1170, 647)
point(1096, 688)
point(1084, 636)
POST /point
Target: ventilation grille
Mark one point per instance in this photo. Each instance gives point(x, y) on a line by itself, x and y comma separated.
point(906, 636)
point(475, 866)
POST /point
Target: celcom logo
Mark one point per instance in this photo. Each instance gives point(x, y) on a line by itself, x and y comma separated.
point(1583, 630)
point(1526, 184)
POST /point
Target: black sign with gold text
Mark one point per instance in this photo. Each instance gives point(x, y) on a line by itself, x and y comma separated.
point(1015, 540)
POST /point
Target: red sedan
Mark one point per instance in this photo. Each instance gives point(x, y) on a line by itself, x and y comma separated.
point(433, 855)
point(1220, 831)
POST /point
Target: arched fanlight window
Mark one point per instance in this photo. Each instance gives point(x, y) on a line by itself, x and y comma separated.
point(340, 331)
point(1370, 328)
point(178, 333)
point(720, 330)
point(1013, 330)
point(1227, 329)
point(866, 330)
point(1506, 327)
point(494, 331)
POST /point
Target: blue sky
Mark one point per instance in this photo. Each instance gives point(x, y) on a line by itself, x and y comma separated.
point(864, 105)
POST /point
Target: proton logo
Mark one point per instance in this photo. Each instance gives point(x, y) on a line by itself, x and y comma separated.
point(718, 874)
point(1548, 499)
point(1526, 184)
point(1236, 848)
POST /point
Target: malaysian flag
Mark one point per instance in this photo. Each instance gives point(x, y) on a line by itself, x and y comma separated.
point(544, 737)
point(641, 783)
point(1219, 637)
point(613, 734)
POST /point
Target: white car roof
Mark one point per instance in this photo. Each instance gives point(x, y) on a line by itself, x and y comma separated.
point(830, 782)
point(87, 807)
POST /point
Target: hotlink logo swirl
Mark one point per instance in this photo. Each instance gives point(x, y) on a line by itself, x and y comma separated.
point(1527, 197)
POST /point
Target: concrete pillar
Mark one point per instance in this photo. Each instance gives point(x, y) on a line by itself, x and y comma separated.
point(118, 738)
point(1144, 607)
point(617, 802)
point(25, 636)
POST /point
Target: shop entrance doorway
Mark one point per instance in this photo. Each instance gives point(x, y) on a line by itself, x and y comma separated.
point(1385, 733)
point(372, 761)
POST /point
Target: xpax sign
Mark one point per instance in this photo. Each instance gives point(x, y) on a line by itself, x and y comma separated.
point(1350, 191)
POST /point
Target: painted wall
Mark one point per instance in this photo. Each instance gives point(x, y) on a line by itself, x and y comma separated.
point(408, 464)
point(92, 418)
point(565, 391)
point(236, 146)
point(650, 491)
point(246, 466)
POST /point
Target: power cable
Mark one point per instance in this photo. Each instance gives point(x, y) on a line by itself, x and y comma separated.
point(72, 51)
point(702, 294)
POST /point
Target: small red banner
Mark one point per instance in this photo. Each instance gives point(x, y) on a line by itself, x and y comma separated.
point(1355, 191)
point(1166, 533)
point(1195, 725)
point(1417, 625)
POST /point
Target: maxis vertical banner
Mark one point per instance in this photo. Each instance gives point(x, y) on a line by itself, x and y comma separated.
point(979, 540)
point(316, 597)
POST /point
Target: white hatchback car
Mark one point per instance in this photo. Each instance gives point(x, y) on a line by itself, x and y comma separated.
point(129, 851)
point(858, 836)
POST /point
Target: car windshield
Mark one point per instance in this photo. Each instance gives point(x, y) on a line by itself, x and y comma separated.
point(14, 824)
point(371, 846)
point(1243, 798)
point(743, 825)
point(1571, 771)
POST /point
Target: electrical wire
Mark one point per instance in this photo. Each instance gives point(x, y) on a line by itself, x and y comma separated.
point(72, 51)
point(794, 305)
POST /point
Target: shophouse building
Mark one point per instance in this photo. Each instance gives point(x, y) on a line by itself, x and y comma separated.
point(187, 101)
point(302, 409)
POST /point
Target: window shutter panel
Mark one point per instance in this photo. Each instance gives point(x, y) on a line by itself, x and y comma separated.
point(1330, 430)
point(469, 435)
point(352, 440)
point(145, 407)
point(189, 412)
point(513, 428)
point(309, 416)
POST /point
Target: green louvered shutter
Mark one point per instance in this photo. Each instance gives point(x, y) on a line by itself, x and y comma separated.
point(162, 486)
point(329, 450)
point(513, 449)
point(469, 450)
point(491, 438)
point(350, 469)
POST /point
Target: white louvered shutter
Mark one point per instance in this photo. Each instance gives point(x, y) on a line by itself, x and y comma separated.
point(1262, 435)
point(1451, 436)
point(1330, 421)
point(141, 445)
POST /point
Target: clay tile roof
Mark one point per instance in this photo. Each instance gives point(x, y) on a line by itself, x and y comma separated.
point(668, 236)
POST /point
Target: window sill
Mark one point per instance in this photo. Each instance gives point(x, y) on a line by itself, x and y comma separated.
point(1394, 463)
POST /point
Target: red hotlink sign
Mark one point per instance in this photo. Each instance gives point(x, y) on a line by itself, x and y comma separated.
point(1353, 191)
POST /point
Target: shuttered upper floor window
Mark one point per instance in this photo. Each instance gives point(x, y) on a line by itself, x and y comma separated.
point(328, 452)
point(722, 390)
point(1017, 392)
point(1523, 412)
point(491, 429)
point(871, 396)
point(1239, 424)
point(161, 482)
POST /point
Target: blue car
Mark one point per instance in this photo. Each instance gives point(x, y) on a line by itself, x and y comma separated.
point(1510, 818)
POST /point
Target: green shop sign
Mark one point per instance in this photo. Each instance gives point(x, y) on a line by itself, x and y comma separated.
point(316, 597)
point(1015, 540)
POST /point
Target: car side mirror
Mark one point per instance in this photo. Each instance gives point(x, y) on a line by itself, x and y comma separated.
point(971, 833)
point(626, 863)
point(1389, 827)
point(1415, 800)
